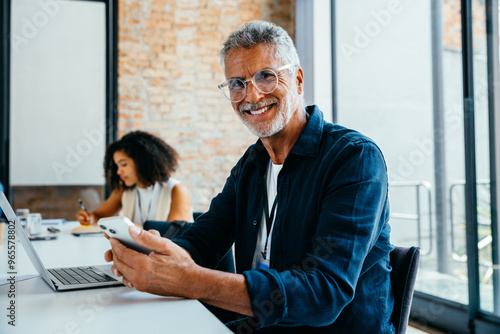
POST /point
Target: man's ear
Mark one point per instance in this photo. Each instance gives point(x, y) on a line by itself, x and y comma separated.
point(299, 76)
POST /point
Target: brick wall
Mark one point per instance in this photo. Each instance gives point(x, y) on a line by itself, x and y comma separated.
point(452, 24)
point(168, 72)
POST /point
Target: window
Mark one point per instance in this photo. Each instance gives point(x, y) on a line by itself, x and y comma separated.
point(400, 80)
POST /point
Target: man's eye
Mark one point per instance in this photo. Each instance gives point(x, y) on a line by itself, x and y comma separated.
point(265, 76)
point(236, 84)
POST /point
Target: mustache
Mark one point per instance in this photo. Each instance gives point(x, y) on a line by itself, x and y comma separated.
point(254, 106)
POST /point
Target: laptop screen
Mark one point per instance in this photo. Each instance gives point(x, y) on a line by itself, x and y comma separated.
point(21, 236)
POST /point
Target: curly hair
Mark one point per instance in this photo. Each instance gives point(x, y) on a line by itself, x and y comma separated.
point(154, 159)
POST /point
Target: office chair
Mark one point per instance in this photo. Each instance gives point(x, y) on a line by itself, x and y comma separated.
point(2, 190)
point(404, 263)
point(227, 262)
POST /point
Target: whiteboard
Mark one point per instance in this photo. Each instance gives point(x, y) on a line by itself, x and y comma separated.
point(58, 95)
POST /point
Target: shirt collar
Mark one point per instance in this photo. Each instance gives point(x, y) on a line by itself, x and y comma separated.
point(307, 144)
point(309, 140)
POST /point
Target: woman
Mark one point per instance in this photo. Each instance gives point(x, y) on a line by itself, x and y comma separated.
point(138, 171)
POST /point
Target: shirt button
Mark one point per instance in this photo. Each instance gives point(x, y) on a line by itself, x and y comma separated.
point(254, 223)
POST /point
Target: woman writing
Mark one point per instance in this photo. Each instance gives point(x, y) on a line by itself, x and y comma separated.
point(138, 170)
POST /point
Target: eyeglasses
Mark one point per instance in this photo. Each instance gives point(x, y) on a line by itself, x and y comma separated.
point(265, 81)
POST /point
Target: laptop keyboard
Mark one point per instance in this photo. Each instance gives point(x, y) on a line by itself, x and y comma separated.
point(80, 275)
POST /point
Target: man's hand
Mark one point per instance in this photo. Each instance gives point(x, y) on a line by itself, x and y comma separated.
point(169, 270)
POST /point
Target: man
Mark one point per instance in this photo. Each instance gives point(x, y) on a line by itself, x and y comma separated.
point(306, 208)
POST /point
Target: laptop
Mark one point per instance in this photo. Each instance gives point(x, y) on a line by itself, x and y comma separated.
point(61, 279)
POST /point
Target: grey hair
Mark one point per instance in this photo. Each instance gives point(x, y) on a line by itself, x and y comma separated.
point(253, 33)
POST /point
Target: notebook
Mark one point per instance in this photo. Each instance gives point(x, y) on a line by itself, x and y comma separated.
point(61, 279)
point(86, 229)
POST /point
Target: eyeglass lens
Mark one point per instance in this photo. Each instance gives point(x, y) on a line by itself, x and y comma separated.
point(265, 81)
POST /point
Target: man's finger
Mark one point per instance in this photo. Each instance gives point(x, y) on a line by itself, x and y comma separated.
point(155, 232)
point(108, 256)
point(120, 250)
point(150, 240)
point(115, 271)
point(124, 258)
point(127, 283)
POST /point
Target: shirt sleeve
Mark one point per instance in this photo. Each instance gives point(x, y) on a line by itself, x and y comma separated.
point(352, 215)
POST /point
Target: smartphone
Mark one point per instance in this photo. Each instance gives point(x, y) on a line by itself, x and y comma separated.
point(117, 227)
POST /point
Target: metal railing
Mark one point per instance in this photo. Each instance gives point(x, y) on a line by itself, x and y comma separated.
point(482, 243)
point(418, 185)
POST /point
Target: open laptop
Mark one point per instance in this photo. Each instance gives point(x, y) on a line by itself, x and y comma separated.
point(61, 279)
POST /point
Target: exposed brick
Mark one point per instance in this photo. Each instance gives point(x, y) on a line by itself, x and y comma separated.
point(168, 76)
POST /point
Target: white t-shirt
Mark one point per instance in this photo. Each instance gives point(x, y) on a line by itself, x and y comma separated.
point(272, 190)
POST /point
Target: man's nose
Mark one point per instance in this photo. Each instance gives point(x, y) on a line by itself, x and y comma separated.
point(252, 94)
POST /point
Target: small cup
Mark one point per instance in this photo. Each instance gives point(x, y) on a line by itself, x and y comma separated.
point(22, 216)
point(34, 224)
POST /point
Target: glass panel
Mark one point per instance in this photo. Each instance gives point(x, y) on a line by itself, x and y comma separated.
point(482, 156)
point(390, 63)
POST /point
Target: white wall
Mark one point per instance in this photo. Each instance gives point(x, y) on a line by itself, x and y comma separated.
point(313, 42)
point(57, 92)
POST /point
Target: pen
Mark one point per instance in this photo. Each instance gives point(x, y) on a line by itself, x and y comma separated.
point(84, 208)
point(82, 205)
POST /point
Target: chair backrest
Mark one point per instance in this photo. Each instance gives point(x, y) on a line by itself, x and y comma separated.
point(227, 262)
point(2, 190)
point(404, 263)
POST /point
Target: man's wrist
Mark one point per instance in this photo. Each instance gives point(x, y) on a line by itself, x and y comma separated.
point(198, 282)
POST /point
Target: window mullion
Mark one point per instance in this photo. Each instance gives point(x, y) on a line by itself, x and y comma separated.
point(470, 162)
point(492, 36)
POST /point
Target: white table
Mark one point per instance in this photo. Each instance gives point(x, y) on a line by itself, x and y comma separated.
point(106, 310)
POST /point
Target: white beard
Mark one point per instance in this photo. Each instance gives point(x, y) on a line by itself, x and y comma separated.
point(285, 111)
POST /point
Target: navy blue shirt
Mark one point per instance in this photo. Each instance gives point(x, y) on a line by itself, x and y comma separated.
point(329, 266)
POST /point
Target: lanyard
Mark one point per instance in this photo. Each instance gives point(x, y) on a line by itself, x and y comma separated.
point(269, 217)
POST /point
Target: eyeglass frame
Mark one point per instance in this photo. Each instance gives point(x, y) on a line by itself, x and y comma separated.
point(252, 79)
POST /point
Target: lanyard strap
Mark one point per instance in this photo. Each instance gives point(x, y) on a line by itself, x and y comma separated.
point(269, 217)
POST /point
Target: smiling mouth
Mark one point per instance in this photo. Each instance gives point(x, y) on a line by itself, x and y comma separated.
point(259, 111)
